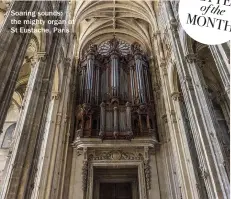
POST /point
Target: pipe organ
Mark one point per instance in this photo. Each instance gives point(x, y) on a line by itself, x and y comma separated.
point(114, 99)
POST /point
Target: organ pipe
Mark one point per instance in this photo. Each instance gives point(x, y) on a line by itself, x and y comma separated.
point(140, 78)
point(97, 86)
point(114, 75)
point(90, 75)
point(132, 84)
point(147, 84)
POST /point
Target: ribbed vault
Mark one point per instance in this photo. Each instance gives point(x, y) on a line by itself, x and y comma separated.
point(97, 21)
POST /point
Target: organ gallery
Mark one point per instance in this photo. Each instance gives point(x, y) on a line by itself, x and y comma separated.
point(115, 95)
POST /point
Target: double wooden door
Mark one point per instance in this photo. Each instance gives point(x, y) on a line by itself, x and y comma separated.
point(115, 191)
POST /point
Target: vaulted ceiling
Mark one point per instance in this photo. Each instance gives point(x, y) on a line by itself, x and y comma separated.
point(97, 21)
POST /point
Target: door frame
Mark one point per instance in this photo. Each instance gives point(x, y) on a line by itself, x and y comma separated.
point(117, 164)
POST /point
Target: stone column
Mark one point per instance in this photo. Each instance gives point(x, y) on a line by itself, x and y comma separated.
point(223, 66)
point(180, 151)
point(203, 129)
point(54, 183)
point(47, 145)
point(13, 47)
point(70, 156)
point(209, 120)
point(188, 139)
point(169, 160)
point(225, 106)
point(78, 179)
point(20, 173)
point(12, 173)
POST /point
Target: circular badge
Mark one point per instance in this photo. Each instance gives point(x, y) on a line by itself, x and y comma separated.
point(206, 21)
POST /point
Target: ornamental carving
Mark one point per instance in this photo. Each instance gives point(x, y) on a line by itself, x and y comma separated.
point(115, 155)
point(84, 175)
point(204, 174)
point(147, 173)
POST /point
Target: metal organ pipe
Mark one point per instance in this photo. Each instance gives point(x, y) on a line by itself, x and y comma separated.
point(102, 119)
point(140, 78)
point(114, 75)
point(143, 83)
point(82, 77)
point(107, 82)
point(147, 83)
point(132, 84)
point(97, 86)
point(89, 79)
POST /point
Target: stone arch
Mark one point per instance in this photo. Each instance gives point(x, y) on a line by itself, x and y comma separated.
point(17, 99)
point(8, 136)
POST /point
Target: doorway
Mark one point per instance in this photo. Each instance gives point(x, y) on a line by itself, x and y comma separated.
point(115, 191)
point(119, 183)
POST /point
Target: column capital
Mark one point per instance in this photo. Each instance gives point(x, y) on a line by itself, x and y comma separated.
point(115, 108)
point(175, 96)
point(220, 96)
point(44, 87)
point(163, 67)
point(227, 90)
point(138, 56)
point(42, 56)
point(128, 104)
point(174, 25)
point(56, 95)
point(152, 58)
point(67, 61)
point(173, 116)
point(191, 57)
point(67, 65)
point(102, 105)
point(165, 118)
point(92, 50)
point(188, 81)
point(156, 33)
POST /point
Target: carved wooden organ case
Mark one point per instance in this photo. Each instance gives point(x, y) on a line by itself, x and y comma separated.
point(115, 98)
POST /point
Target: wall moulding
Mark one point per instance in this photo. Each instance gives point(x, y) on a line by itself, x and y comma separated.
point(80, 143)
point(111, 158)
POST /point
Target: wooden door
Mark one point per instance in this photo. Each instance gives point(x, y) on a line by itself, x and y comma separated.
point(115, 191)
